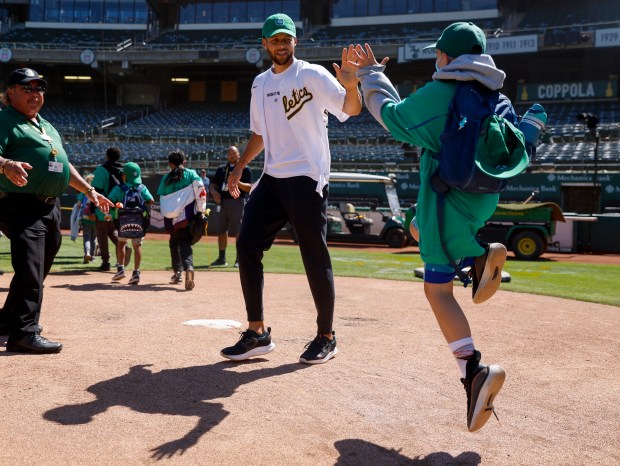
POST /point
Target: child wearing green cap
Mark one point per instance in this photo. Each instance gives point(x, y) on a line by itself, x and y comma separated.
point(131, 179)
point(419, 120)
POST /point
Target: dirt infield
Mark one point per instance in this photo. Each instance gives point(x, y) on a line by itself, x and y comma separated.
point(135, 385)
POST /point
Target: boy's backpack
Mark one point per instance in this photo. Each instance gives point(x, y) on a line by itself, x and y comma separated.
point(134, 217)
point(481, 148)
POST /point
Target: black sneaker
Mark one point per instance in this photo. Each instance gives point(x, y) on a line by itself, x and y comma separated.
point(176, 278)
point(482, 384)
point(135, 278)
point(219, 263)
point(120, 273)
point(320, 350)
point(104, 267)
point(487, 272)
point(249, 345)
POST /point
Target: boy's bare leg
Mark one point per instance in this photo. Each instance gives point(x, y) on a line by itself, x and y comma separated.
point(137, 258)
point(448, 312)
point(120, 252)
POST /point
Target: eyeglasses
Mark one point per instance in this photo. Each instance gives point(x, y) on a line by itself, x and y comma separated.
point(34, 90)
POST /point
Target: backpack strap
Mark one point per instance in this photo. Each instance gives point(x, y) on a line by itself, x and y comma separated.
point(429, 120)
point(116, 177)
point(140, 188)
point(125, 189)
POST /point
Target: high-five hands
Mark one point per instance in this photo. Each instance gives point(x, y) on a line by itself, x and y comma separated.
point(364, 56)
point(345, 73)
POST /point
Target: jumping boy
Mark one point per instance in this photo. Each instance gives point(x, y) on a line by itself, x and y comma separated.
point(419, 120)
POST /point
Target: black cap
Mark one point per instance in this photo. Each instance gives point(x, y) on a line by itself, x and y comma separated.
point(24, 76)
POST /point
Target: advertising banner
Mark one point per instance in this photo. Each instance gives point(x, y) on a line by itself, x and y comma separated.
point(536, 92)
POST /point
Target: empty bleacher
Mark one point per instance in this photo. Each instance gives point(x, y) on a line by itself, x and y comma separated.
point(229, 38)
point(543, 15)
point(92, 153)
point(390, 33)
point(204, 130)
point(356, 130)
point(74, 38)
point(562, 113)
point(191, 120)
point(74, 120)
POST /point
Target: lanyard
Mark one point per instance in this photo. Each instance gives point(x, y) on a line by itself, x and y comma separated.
point(226, 176)
point(41, 130)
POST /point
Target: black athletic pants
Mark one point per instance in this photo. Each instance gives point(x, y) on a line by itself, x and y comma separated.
point(105, 231)
point(181, 252)
point(34, 232)
point(272, 203)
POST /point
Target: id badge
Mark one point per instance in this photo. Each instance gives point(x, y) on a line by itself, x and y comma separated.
point(55, 167)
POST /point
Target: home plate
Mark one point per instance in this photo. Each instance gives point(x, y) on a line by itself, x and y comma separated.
point(419, 272)
point(214, 323)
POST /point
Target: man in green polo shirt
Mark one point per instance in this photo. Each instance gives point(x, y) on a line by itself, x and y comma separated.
point(34, 171)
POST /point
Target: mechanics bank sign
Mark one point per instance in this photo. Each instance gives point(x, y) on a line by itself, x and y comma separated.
point(569, 90)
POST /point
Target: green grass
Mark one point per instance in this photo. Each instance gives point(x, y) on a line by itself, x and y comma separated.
point(585, 282)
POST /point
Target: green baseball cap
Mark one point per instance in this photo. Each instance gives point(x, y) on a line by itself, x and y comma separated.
point(502, 152)
point(278, 23)
point(132, 173)
point(461, 39)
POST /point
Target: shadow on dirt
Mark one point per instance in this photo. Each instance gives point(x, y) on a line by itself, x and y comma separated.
point(356, 451)
point(176, 392)
point(120, 286)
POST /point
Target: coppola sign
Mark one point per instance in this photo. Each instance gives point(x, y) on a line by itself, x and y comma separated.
point(568, 90)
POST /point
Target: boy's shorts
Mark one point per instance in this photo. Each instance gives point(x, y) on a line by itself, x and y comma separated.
point(134, 241)
point(444, 273)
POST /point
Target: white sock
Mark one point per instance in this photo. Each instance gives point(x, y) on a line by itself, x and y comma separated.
point(462, 349)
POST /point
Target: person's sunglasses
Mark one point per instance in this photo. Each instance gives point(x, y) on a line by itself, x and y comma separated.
point(34, 90)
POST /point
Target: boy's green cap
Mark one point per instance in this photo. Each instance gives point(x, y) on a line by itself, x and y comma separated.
point(132, 173)
point(461, 39)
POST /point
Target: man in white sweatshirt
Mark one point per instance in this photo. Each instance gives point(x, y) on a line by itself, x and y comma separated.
point(289, 121)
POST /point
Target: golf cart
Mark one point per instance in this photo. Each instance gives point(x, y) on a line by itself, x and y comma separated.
point(363, 208)
point(526, 229)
